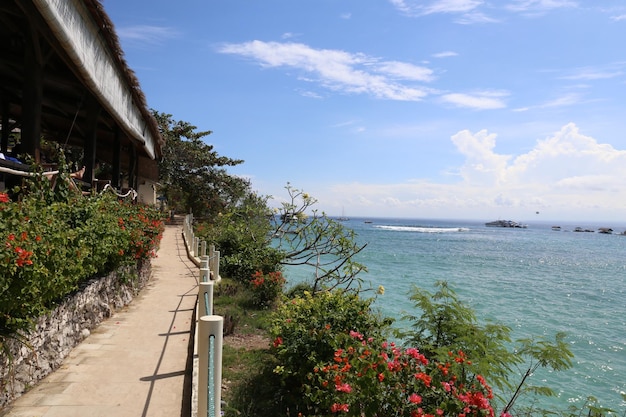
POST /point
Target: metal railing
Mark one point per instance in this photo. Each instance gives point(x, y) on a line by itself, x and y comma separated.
point(210, 327)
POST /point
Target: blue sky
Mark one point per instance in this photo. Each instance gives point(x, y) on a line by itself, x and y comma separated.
point(464, 109)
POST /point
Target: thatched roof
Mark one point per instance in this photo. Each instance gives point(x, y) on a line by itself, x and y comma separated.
point(83, 69)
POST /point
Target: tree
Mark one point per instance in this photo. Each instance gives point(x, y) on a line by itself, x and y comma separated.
point(318, 242)
point(193, 175)
point(445, 325)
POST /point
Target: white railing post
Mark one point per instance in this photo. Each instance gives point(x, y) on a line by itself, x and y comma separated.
point(203, 248)
point(210, 327)
point(214, 262)
point(216, 265)
point(203, 308)
point(205, 273)
point(195, 244)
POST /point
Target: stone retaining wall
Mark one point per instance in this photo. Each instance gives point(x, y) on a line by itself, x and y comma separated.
point(58, 332)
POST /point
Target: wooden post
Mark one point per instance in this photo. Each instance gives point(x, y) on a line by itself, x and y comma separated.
point(117, 164)
point(90, 140)
point(6, 130)
point(32, 95)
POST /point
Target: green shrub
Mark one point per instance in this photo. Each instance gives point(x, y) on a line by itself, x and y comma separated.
point(47, 248)
point(307, 331)
point(241, 233)
point(266, 288)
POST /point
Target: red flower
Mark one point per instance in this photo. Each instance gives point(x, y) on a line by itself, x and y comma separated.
point(427, 379)
point(4, 198)
point(344, 388)
point(23, 257)
point(415, 399)
point(335, 408)
point(278, 341)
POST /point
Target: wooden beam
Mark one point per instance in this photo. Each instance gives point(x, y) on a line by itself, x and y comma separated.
point(91, 138)
point(117, 163)
point(6, 130)
point(33, 95)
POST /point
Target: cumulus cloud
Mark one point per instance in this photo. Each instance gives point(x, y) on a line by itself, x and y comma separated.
point(482, 165)
point(337, 70)
point(567, 173)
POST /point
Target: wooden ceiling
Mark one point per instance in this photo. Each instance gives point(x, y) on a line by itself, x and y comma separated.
point(68, 103)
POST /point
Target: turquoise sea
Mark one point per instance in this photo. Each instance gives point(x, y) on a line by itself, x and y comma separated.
point(536, 280)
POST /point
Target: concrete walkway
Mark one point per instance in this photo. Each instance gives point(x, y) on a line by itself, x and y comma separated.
point(138, 362)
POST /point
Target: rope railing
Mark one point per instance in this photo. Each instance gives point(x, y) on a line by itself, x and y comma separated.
point(107, 187)
point(210, 327)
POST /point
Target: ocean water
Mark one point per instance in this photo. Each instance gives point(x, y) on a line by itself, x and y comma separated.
point(535, 280)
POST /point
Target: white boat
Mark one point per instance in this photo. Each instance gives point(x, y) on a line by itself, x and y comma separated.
point(506, 223)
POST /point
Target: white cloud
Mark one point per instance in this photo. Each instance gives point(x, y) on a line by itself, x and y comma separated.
point(565, 100)
point(475, 17)
point(482, 165)
point(146, 34)
point(310, 94)
point(486, 100)
point(403, 70)
point(414, 7)
point(593, 74)
point(339, 70)
point(534, 6)
point(470, 11)
point(566, 175)
point(445, 54)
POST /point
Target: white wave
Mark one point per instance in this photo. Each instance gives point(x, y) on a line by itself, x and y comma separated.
point(420, 229)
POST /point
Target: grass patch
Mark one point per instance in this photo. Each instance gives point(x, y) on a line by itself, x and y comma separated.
point(245, 357)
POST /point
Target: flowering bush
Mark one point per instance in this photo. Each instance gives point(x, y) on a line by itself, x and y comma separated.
point(266, 288)
point(48, 247)
point(371, 378)
point(308, 330)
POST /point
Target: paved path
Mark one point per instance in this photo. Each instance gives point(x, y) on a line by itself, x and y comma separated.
point(137, 362)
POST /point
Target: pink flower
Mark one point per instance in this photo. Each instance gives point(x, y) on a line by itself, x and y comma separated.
point(356, 335)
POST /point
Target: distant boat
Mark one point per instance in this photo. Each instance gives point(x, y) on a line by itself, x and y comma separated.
point(605, 230)
point(367, 221)
point(343, 217)
point(556, 228)
point(506, 223)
